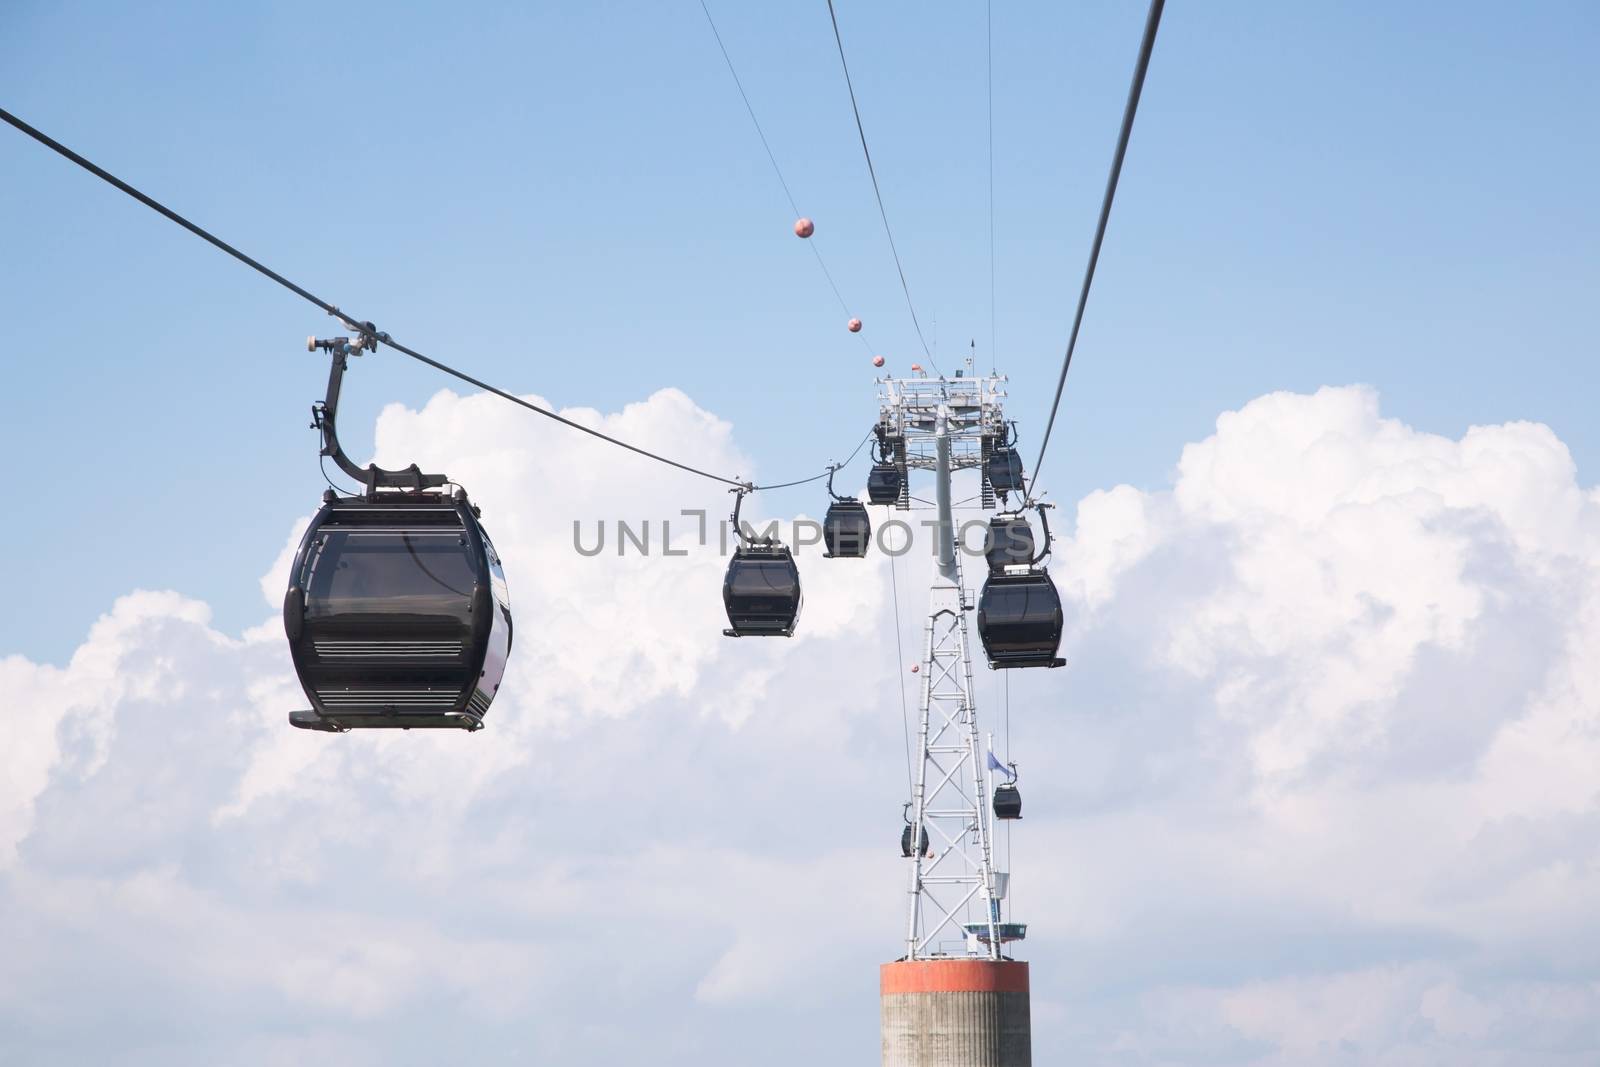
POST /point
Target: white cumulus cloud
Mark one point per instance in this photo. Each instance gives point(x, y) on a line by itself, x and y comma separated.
point(1318, 784)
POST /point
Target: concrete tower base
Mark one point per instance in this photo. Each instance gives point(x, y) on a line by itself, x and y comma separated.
point(955, 1013)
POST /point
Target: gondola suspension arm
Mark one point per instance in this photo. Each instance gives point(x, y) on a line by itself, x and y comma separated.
point(324, 416)
point(1044, 524)
point(833, 469)
point(738, 502)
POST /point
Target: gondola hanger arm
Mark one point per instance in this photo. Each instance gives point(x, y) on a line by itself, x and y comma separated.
point(833, 468)
point(1044, 523)
point(324, 415)
point(739, 491)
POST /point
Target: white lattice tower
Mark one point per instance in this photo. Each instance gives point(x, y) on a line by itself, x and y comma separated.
point(944, 423)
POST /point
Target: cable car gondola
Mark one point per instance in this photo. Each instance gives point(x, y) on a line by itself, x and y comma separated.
point(761, 590)
point(1004, 466)
point(886, 478)
point(1010, 542)
point(883, 483)
point(923, 845)
point(397, 612)
point(1019, 613)
point(1007, 801)
point(846, 528)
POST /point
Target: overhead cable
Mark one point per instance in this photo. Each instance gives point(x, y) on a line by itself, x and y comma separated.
point(358, 325)
point(876, 192)
point(1152, 23)
point(831, 469)
point(773, 159)
point(988, 21)
point(900, 669)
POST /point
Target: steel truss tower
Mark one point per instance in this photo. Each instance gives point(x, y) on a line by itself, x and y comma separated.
point(943, 425)
point(957, 870)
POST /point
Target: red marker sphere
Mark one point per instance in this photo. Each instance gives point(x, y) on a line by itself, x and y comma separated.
point(916, 368)
point(804, 228)
point(915, 667)
point(877, 361)
point(855, 325)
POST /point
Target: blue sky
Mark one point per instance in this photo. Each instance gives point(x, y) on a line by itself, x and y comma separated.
point(571, 202)
point(1317, 784)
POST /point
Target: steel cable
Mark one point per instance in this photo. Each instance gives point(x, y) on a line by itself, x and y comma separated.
point(876, 192)
point(777, 170)
point(1152, 23)
point(358, 325)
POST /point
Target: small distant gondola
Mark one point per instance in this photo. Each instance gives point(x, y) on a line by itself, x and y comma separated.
point(886, 479)
point(1010, 542)
point(846, 528)
point(1019, 612)
point(761, 590)
point(397, 612)
point(1004, 466)
point(883, 483)
point(923, 846)
point(1007, 801)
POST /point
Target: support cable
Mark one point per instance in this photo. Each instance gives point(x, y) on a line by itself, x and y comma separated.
point(777, 170)
point(1152, 23)
point(1010, 899)
point(363, 327)
point(547, 413)
point(831, 469)
point(162, 209)
point(900, 673)
point(876, 192)
point(988, 21)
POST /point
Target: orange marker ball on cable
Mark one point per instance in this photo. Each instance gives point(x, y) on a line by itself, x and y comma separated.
point(804, 228)
point(915, 667)
point(877, 361)
point(855, 325)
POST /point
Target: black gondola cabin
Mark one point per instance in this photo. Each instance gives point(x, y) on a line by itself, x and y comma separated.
point(883, 483)
point(1010, 542)
point(397, 614)
point(846, 529)
point(1020, 619)
point(761, 592)
point(1004, 470)
point(1007, 802)
point(922, 842)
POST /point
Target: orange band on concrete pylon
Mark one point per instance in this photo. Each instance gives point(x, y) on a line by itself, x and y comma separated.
point(953, 976)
